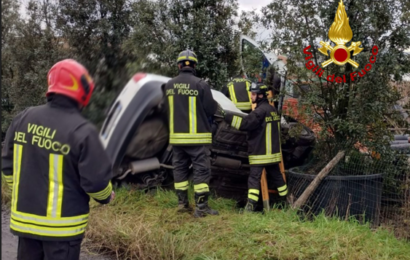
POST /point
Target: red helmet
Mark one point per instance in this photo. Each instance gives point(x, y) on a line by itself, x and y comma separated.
point(70, 78)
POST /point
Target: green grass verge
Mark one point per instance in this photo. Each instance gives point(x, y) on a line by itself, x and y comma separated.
point(5, 192)
point(142, 226)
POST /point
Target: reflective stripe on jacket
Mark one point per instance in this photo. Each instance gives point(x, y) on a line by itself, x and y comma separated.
point(190, 104)
point(239, 93)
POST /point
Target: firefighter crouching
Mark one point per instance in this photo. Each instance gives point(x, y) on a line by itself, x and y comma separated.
point(190, 104)
point(53, 161)
point(263, 127)
point(237, 90)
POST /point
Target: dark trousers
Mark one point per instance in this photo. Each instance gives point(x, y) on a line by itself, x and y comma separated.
point(273, 176)
point(32, 249)
point(182, 156)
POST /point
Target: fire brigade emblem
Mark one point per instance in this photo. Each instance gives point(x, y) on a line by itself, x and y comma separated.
point(340, 33)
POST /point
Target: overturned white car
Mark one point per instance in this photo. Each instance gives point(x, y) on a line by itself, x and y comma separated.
point(135, 136)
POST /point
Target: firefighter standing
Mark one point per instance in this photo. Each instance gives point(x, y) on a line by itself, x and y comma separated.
point(238, 91)
point(190, 104)
point(53, 161)
point(263, 127)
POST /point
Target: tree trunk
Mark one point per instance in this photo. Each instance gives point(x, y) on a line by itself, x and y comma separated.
point(315, 183)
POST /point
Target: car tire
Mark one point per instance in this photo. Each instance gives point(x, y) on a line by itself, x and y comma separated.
point(150, 139)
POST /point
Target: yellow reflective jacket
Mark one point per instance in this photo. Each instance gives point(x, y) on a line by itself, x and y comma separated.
point(190, 106)
point(53, 161)
point(263, 127)
point(238, 91)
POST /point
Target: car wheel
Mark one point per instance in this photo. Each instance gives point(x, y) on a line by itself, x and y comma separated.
point(150, 139)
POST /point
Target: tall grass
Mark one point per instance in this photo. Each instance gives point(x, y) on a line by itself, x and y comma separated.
point(141, 226)
point(5, 193)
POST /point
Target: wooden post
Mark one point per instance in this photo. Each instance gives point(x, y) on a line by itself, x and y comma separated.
point(316, 181)
point(265, 191)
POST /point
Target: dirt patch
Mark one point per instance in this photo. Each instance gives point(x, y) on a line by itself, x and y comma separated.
point(9, 241)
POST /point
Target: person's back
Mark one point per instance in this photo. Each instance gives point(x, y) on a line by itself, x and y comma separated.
point(190, 104)
point(238, 91)
point(54, 161)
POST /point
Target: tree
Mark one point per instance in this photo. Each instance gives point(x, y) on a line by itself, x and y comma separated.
point(10, 20)
point(353, 111)
point(29, 49)
point(166, 27)
point(95, 32)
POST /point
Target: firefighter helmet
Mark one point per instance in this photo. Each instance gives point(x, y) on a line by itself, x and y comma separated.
point(70, 78)
point(259, 88)
point(187, 57)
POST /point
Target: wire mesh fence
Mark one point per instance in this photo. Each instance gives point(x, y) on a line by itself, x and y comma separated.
point(370, 188)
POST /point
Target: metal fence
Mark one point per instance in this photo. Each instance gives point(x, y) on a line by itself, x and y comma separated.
point(373, 189)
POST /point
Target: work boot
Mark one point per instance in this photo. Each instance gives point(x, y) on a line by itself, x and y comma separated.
point(250, 205)
point(201, 208)
point(183, 202)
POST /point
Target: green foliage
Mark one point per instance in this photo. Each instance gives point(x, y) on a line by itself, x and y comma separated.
point(29, 49)
point(354, 111)
point(167, 27)
point(114, 39)
point(252, 61)
point(9, 20)
point(95, 32)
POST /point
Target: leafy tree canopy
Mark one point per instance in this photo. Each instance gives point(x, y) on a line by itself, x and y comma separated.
point(356, 110)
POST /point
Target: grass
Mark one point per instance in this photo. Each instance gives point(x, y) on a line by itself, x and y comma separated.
point(5, 192)
point(141, 226)
point(146, 226)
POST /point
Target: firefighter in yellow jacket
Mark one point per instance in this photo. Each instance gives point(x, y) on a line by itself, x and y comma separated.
point(263, 127)
point(53, 161)
point(238, 91)
point(190, 105)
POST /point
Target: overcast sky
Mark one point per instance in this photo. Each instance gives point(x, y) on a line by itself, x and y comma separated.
point(249, 5)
